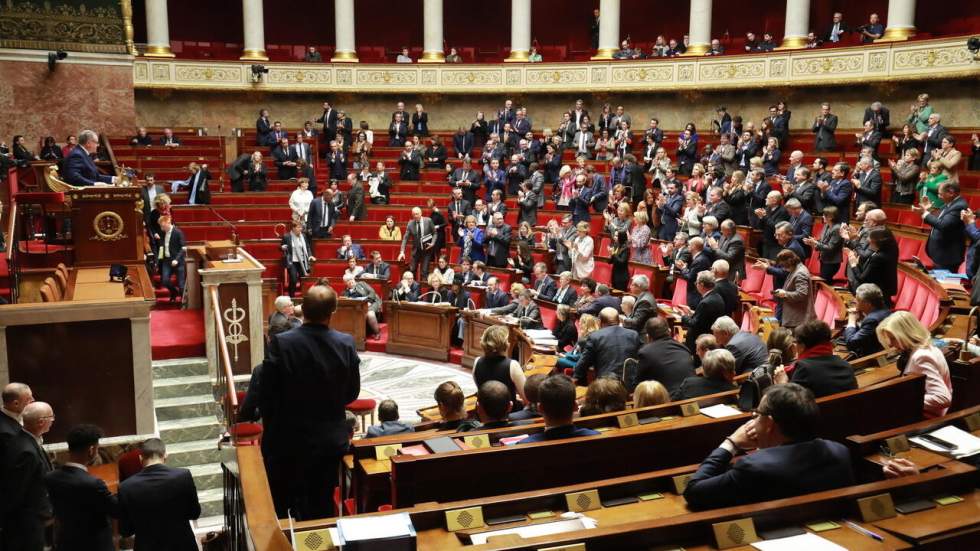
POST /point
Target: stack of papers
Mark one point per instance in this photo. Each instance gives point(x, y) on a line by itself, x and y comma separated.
point(720, 410)
point(535, 530)
point(375, 528)
point(542, 337)
point(803, 542)
point(966, 444)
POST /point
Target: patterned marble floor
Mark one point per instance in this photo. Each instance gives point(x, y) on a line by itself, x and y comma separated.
point(408, 381)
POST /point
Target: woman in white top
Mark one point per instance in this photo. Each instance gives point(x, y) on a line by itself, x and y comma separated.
point(353, 269)
point(444, 271)
point(300, 200)
point(691, 220)
point(580, 251)
point(905, 333)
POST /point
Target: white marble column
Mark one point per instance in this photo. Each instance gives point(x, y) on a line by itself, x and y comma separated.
point(254, 27)
point(520, 30)
point(432, 32)
point(901, 20)
point(157, 29)
point(608, 29)
point(797, 24)
point(343, 18)
point(699, 28)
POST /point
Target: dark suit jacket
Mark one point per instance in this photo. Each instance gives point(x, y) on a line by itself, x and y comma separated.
point(156, 504)
point(80, 169)
point(698, 264)
point(568, 297)
point(824, 375)
point(199, 181)
point(173, 139)
point(498, 247)
point(772, 473)
point(839, 194)
point(356, 206)
point(749, 351)
point(881, 269)
point(870, 189)
point(710, 308)
point(824, 131)
point(546, 288)
point(604, 301)
point(176, 245)
point(24, 501)
point(82, 507)
point(945, 244)
point(463, 143)
point(644, 309)
point(605, 350)
point(497, 299)
point(263, 129)
point(862, 339)
point(382, 272)
point(315, 219)
point(729, 293)
point(693, 387)
point(310, 375)
point(732, 249)
point(666, 361)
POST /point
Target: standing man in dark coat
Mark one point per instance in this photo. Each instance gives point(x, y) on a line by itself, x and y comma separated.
point(158, 503)
point(422, 232)
point(824, 127)
point(310, 375)
point(82, 503)
point(662, 359)
point(22, 469)
point(329, 120)
point(945, 244)
point(709, 308)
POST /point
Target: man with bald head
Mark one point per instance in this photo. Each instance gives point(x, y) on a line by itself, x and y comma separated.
point(38, 418)
point(309, 375)
point(606, 349)
point(422, 232)
point(24, 504)
point(857, 239)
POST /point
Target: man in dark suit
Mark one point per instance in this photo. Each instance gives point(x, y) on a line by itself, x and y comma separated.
point(716, 206)
point(601, 301)
point(711, 307)
point(565, 294)
point(760, 191)
point(495, 298)
point(718, 367)
point(606, 349)
point(747, 348)
point(879, 116)
point(397, 131)
point(285, 163)
point(768, 219)
point(25, 505)
point(336, 162)
point(301, 151)
point(297, 256)
point(149, 193)
point(82, 503)
point(730, 248)
point(168, 139)
point(837, 192)
point(158, 503)
point(725, 287)
point(277, 134)
point(645, 306)
point(171, 256)
point(263, 129)
point(837, 29)
point(80, 169)
point(663, 359)
point(635, 178)
point(700, 262)
point(932, 137)
point(329, 120)
point(790, 462)
point(323, 216)
point(310, 375)
point(670, 207)
point(867, 182)
point(458, 208)
point(422, 232)
point(823, 128)
point(556, 402)
point(542, 287)
point(945, 244)
point(859, 335)
point(497, 242)
point(468, 180)
point(463, 143)
point(527, 312)
point(378, 268)
point(802, 224)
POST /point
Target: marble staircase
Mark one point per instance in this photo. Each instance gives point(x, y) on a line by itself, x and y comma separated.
point(189, 422)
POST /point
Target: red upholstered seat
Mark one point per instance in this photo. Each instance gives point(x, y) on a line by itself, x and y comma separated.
point(656, 255)
point(548, 312)
point(130, 463)
point(361, 405)
point(602, 272)
point(920, 300)
point(680, 292)
point(753, 279)
point(245, 433)
point(931, 310)
point(906, 293)
point(907, 248)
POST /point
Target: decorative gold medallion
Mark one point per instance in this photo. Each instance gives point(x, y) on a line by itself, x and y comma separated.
point(108, 226)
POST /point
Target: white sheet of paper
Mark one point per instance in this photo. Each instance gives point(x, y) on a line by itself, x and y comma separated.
point(803, 542)
point(534, 530)
point(966, 444)
point(718, 411)
point(374, 528)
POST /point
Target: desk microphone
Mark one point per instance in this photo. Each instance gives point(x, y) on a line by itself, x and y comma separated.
point(471, 304)
point(234, 229)
point(426, 294)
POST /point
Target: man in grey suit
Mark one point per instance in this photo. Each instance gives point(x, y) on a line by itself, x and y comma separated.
point(607, 349)
point(423, 233)
point(527, 312)
point(731, 248)
point(749, 350)
point(645, 307)
point(584, 141)
point(824, 127)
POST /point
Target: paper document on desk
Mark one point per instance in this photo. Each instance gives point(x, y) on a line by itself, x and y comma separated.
point(966, 444)
point(720, 410)
point(803, 542)
point(535, 530)
point(375, 528)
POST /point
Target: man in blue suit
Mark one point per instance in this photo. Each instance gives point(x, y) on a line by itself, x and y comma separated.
point(838, 192)
point(157, 503)
point(790, 461)
point(860, 336)
point(945, 244)
point(670, 208)
point(80, 169)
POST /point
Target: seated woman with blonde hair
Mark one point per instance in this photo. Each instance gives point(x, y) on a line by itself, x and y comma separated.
point(495, 363)
point(905, 333)
point(650, 393)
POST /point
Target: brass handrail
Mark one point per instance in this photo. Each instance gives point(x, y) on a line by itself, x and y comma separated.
point(226, 377)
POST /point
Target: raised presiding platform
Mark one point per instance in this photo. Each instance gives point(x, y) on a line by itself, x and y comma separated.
point(947, 57)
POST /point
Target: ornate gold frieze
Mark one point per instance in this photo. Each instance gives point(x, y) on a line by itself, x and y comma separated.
point(882, 62)
point(95, 26)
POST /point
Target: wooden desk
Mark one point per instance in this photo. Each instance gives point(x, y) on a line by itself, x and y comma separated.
point(419, 329)
point(351, 317)
point(92, 283)
point(475, 324)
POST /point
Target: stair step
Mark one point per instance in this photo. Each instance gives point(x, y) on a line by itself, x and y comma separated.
point(212, 501)
point(181, 367)
point(207, 476)
point(175, 431)
point(173, 387)
point(184, 407)
point(198, 452)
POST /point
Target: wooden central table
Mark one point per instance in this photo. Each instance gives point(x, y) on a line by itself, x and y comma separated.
point(419, 329)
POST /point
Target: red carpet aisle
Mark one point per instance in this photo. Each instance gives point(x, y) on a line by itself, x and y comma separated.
point(176, 333)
